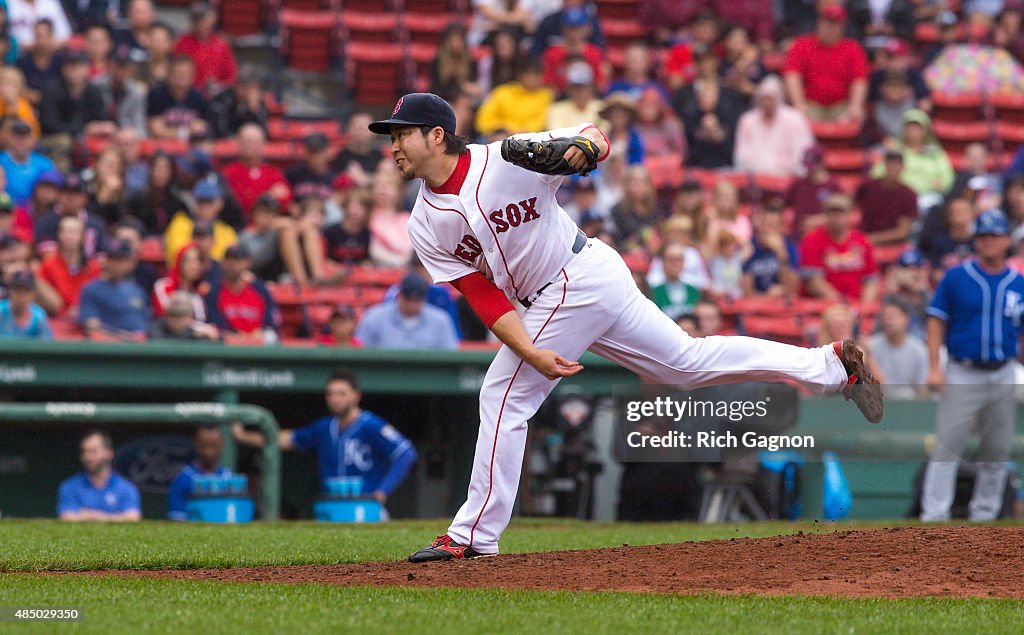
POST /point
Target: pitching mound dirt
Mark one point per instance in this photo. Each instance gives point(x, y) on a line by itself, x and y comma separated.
point(892, 563)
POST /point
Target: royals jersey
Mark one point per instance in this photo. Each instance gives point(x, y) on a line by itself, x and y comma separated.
point(504, 222)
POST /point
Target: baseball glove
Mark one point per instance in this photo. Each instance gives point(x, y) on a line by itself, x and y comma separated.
point(548, 157)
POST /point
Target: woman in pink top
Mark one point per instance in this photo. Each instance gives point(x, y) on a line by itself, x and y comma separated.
point(660, 130)
point(725, 215)
point(389, 235)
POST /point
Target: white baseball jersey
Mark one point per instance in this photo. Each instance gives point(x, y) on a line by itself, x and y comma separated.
point(506, 223)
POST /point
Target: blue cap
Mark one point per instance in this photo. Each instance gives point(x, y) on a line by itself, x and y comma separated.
point(52, 177)
point(414, 287)
point(119, 249)
point(206, 190)
point(991, 223)
point(911, 258)
point(575, 16)
point(195, 163)
point(418, 109)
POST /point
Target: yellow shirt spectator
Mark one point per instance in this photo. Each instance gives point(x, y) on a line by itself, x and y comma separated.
point(520, 106)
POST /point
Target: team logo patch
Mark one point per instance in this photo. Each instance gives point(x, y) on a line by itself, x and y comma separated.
point(398, 106)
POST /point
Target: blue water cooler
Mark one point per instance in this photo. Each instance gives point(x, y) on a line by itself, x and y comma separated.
point(344, 503)
point(220, 499)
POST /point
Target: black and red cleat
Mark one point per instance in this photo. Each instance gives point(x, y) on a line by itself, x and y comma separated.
point(863, 388)
point(444, 548)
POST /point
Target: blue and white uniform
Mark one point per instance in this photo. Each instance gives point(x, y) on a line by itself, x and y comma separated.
point(118, 496)
point(180, 490)
point(982, 312)
point(368, 447)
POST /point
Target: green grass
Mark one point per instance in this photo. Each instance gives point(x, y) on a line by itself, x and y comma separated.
point(33, 545)
point(115, 605)
point(161, 606)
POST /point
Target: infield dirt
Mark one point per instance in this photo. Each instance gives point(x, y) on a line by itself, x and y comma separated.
point(974, 561)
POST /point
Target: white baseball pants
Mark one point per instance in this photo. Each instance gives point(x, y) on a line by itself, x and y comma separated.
point(595, 305)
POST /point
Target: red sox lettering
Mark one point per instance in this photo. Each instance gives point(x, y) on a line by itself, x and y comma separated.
point(514, 215)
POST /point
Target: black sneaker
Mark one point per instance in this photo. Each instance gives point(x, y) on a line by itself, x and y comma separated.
point(444, 548)
point(863, 388)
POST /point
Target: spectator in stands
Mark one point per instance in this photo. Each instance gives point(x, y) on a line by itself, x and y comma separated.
point(1008, 33)
point(174, 107)
point(709, 318)
point(362, 153)
point(107, 196)
point(839, 323)
point(772, 265)
point(887, 207)
point(502, 59)
point(348, 441)
point(22, 16)
point(179, 322)
point(136, 173)
point(20, 316)
point(574, 44)
point(926, 167)
point(21, 163)
point(908, 284)
point(124, 98)
point(241, 304)
point(953, 243)
point(98, 492)
point(664, 17)
point(158, 202)
point(13, 219)
point(307, 266)
point(9, 49)
point(710, 113)
point(341, 328)
point(40, 64)
point(826, 74)
point(620, 112)
point(689, 201)
point(130, 230)
point(581, 102)
point(98, 46)
point(637, 213)
point(519, 106)
point(73, 201)
point(13, 100)
point(550, 28)
point(314, 176)
point(725, 267)
point(238, 104)
point(700, 37)
point(488, 15)
point(141, 19)
point(901, 357)
point(214, 60)
point(45, 195)
point(680, 229)
point(348, 242)
point(583, 201)
point(453, 71)
point(114, 303)
point(742, 69)
point(949, 35)
point(1012, 200)
point(408, 322)
point(209, 446)
point(674, 297)
point(158, 55)
point(661, 133)
point(636, 73)
point(772, 137)
point(389, 236)
point(271, 242)
point(70, 108)
point(976, 164)
point(895, 57)
point(186, 276)
point(251, 175)
point(725, 214)
point(873, 20)
point(182, 228)
point(838, 261)
point(438, 295)
point(894, 98)
point(805, 195)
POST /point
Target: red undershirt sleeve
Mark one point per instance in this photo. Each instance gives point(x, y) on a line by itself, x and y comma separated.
point(486, 300)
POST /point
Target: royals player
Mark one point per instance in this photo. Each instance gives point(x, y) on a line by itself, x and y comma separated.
point(495, 232)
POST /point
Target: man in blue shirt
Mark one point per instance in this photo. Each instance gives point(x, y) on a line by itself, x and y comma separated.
point(21, 164)
point(98, 492)
point(20, 316)
point(408, 322)
point(349, 441)
point(772, 266)
point(114, 303)
point(976, 313)
point(209, 445)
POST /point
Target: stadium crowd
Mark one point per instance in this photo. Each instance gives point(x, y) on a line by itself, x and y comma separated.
point(798, 170)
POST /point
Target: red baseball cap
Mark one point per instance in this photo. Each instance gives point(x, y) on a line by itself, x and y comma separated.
point(896, 46)
point(833, 12)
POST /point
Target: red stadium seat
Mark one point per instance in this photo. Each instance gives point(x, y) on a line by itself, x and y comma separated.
point(240, 17)
point(886, 255)
point(778, 328)
point(426, 28)
point(619, 33)
point(365, 276)
point(377, 73)
point(1011, 137)
point(666, 171)
point(1008, 107)
point(957, 107)
point(370, 6)
point(617, 9)
point(926, 33)
point(370, 27)
point(770, 185)
point(421, 56)
point(309, 40)
point(837, 134)
point(955, 136)
point(455, 7)
point(285, 129)
point(846, 161)
point(152, 250)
